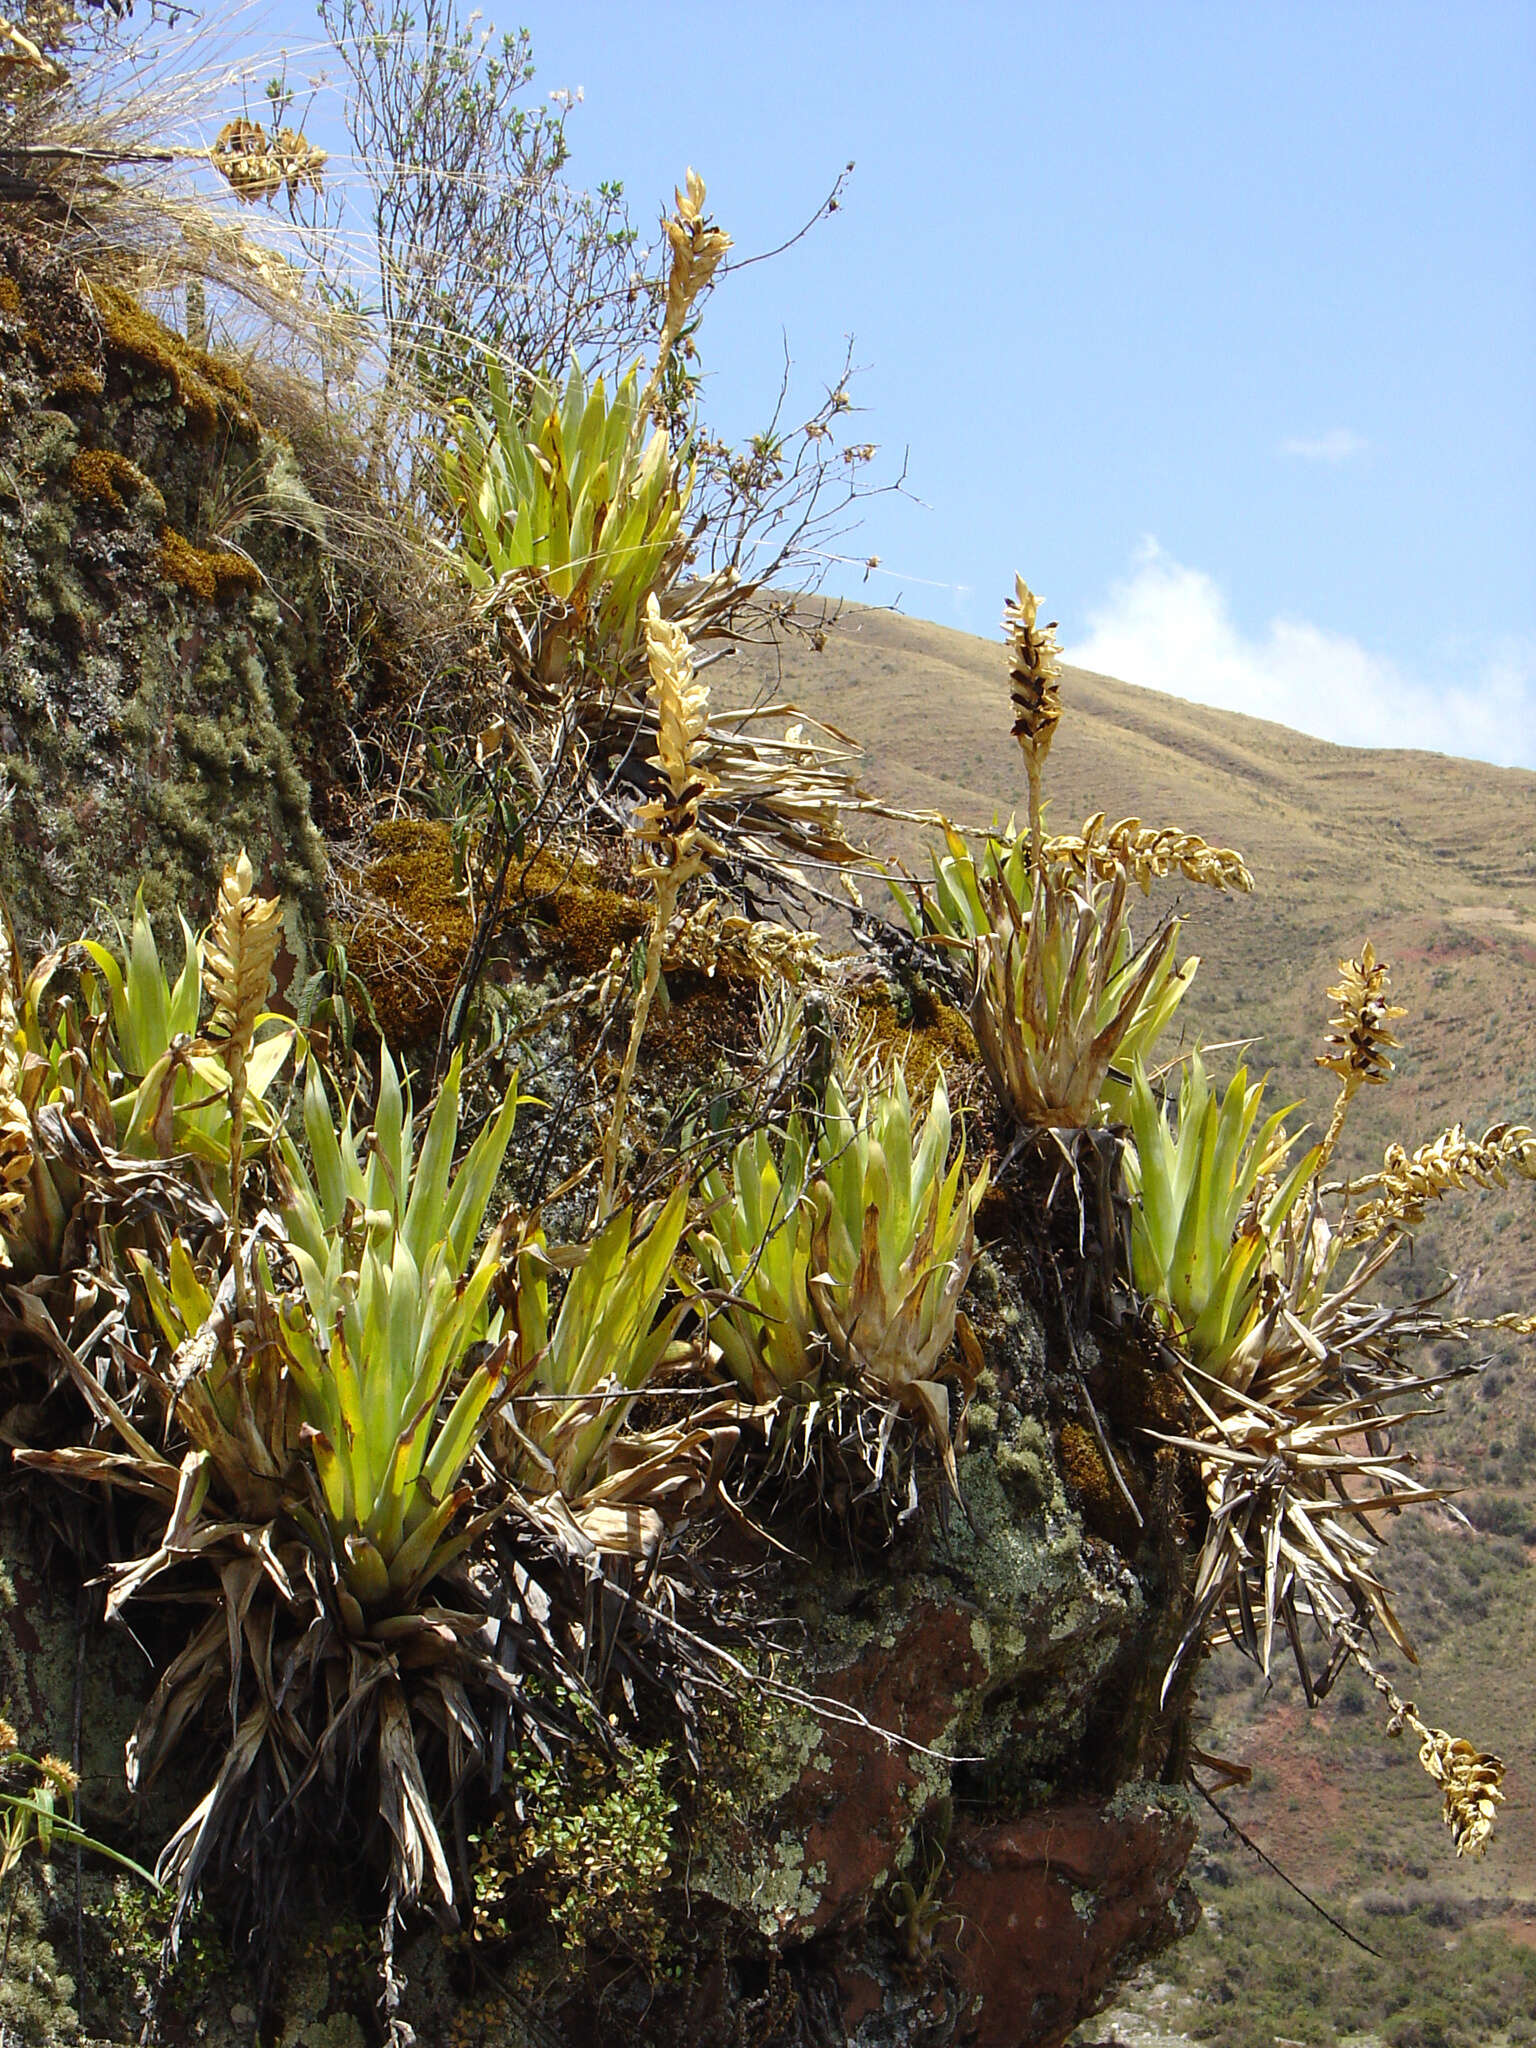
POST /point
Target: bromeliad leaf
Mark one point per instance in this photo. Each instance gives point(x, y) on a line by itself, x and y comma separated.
point(1209, 1190)
point(577, 1381)
point(390, 1313)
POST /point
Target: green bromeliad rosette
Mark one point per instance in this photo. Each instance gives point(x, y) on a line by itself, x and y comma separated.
point(838, 1253)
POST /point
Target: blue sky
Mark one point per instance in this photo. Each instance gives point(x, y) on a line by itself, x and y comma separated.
point(1217, 321)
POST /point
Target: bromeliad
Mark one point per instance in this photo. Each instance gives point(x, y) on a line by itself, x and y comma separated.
point(842, 1255)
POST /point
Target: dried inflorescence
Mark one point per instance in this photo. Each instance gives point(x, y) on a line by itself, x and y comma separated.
point(711, 936)
point(237, 973)
point(698, 248)
point(1359, 1041)
point(1146, 853)
point(669, 823)
point(1034, 667)
point(1409, 1181)
point(258, 163)
point(1470, 1779)
point(1360, 1035)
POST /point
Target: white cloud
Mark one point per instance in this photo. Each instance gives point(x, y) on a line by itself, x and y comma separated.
point(1339, 444)
point(1168, 628)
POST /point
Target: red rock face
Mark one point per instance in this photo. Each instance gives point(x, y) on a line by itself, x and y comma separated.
point(1049, 1907)
point(1031, 1918)
point(855, 1810)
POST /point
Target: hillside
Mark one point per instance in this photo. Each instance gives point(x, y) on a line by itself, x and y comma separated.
point(1435, 860)
point(1432, 858)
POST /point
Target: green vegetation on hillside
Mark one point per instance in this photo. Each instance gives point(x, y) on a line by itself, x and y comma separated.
point(463, 1422)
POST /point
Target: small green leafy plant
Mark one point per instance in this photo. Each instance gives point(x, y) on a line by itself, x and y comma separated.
point(596, 1843)
point(42, 1812)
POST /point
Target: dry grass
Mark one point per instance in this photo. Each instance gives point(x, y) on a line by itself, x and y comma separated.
point(1341, 842)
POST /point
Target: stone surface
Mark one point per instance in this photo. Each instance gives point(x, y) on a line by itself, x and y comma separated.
point(160, 651)
point(1050, 1907)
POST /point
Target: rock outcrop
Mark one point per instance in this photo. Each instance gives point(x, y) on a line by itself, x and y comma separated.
point(962, 1819)
point(160, 638)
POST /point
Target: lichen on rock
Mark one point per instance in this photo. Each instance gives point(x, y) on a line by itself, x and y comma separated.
point(918, 1715)
point(146, 724)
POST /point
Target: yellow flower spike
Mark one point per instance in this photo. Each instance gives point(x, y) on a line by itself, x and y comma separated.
point(237, 973)
point(9, 1739)
point(1034, 667)
point(668, 825)
point(1359, 1036)
point(682, 720)
point(1409, 1181)
point(237, 966)
point(1146, 853)
point(698, 248)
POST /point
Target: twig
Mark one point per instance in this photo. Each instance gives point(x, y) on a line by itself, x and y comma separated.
point(829, 205)
point(1269, 1863)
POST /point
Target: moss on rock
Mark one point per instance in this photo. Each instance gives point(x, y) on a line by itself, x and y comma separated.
point(101, 477)
point(124, 640)
point(209, 573)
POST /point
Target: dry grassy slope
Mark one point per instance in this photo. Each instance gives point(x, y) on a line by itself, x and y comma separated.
point(1435, 860)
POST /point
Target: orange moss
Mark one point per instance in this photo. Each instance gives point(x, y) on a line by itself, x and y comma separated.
point(99, 476)
point(79, 383)
point(409, 950)
point(1092, 1484)
point(10, 295)
point(208, 390)
point(209, 573)
point(579, 918)
point(936, 1039)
